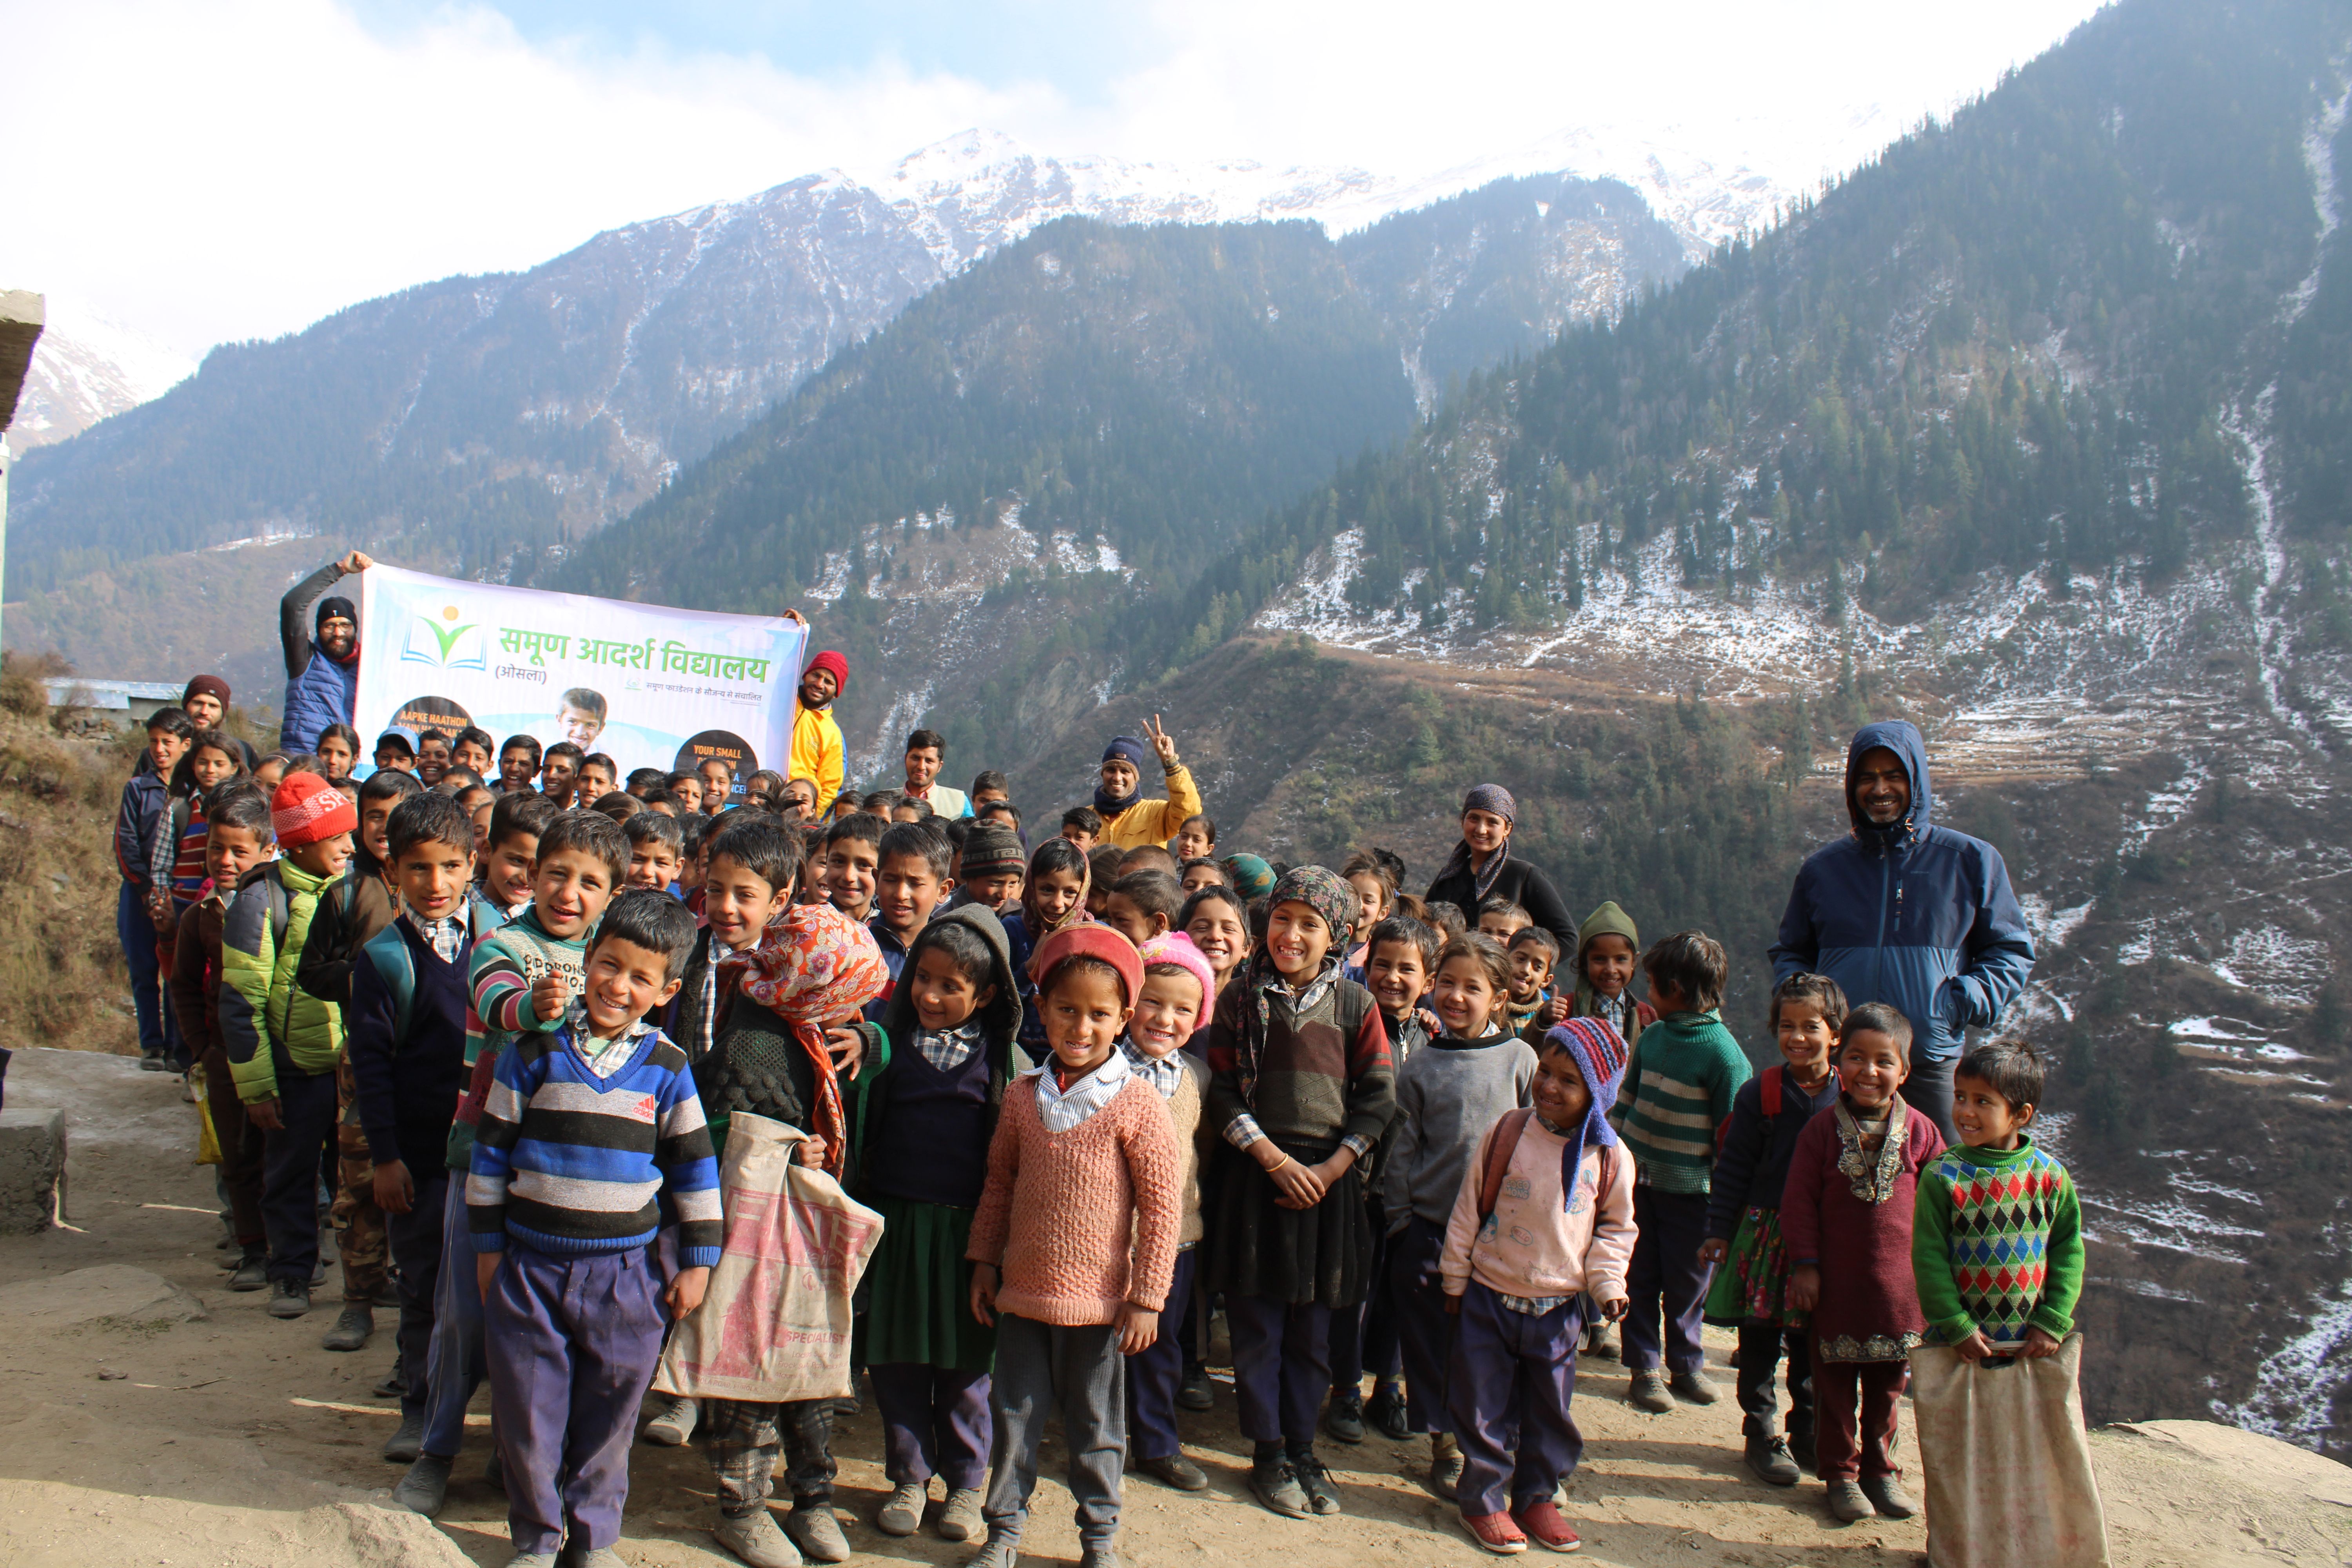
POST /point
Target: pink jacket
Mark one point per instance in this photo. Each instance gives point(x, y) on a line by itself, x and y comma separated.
point(1535, 1246)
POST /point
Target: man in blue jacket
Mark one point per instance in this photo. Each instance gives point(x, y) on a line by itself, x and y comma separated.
point(1918, 917)
point(322, 672)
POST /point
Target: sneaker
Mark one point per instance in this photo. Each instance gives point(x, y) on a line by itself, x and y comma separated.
point(287, 1300)
point(494, 1473)
point(153, 1064)
point(998, 1552)
point(903, 1514)
point(1768, 1461)
point(1647, 1390)
point(755, 1539)
point(1277, 1485)
point(848, 1406)
point(1601, 1340)
point(1693, 1388)
point(1174, 1470)
point(1848, 1503)
point(1196, 1393)
point(1495, 1533)
point(1801, 1448)
point(1098, 1557)
point(395, 1382)
point(407, 1444)
point(252, 1270)
point(1344, 1417)
point(1545, 1526)
point(960, 1517)
point(319, 1273)
point(1322, 1495)
point(817, 1533)
point(425, 1487)
point(1445, 1464)
point(1886, 1495)
point(352, 1327)
point(1385, 1413)
point(673, 1424)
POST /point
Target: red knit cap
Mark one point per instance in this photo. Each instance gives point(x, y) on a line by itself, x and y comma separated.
point(838, 666)
point(306, 808)
point(1089, 940)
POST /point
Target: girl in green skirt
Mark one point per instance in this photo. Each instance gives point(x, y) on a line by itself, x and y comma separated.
point(1743, 1223)
point(951, 1020)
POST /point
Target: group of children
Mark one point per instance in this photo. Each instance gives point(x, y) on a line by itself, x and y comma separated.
point(1097, 1091)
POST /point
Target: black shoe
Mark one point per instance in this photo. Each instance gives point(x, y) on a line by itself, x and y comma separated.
point(495, 1472)
point(395, 1382)
point(404, 1445)
point(252, 1270)
point(1174, 1470)
point(1196, 1393)
point(153, 1064)
point(1385, 1413)
point(1445, 1464)
point(1344, 1417)
point(352, 1327)
point(287, 1300)
point(1321, 1495)
point(425, 1488)
point(1768, 1461)
point(1277, 1485)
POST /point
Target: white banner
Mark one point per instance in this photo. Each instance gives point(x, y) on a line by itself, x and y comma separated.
point(649, 686)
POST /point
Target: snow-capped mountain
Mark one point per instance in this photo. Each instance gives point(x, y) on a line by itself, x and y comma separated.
point(86, 368)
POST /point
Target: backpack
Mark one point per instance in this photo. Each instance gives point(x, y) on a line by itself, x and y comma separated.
point(1508, 1134)
point(1768, 1091)
point(396, 967)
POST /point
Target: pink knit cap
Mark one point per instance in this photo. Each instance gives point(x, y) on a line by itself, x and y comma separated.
point(1177, 948)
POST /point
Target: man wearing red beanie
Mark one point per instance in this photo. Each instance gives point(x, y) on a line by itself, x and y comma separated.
point(816, 740)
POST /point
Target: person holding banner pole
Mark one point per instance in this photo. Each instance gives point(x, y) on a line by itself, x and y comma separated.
point(322, 670)
point(817, 751)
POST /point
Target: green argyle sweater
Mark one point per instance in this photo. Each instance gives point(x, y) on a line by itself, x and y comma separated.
point(1678, 1087)
point(1997, 1244)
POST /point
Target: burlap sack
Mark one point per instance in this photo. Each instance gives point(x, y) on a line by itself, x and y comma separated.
point(775, 1323)
point(2008, 1481)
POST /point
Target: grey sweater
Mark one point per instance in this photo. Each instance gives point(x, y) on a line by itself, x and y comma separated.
point(1448, 1093)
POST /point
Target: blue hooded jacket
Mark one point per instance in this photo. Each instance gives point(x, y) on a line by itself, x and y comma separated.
point(319, 691)
point(1918, 917)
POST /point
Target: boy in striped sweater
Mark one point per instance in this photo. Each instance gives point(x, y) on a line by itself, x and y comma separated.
point(591, 1137)
point(1678, 1087)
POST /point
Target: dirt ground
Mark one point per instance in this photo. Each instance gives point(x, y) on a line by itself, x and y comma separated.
point(232, 1440)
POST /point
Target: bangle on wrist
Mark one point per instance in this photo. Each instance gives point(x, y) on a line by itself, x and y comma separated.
point(1270, 1170)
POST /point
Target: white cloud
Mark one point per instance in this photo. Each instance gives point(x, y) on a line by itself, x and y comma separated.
point(242, 168)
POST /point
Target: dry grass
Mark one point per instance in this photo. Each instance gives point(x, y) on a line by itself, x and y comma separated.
point(62, 977)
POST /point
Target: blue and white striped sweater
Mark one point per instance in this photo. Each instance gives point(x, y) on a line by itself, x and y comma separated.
point(576, 1165)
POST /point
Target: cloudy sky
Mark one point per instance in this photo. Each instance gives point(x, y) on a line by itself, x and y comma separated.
point(238, 169)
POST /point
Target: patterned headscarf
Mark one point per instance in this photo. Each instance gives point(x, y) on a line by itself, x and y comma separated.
point(1482, 797)
point(813, 967)
point(1600, 1057)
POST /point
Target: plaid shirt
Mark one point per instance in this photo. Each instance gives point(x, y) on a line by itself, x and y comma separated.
point(948, 1049)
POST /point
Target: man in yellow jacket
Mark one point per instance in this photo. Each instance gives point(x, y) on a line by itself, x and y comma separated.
point(1130, 821)
point(816, 740)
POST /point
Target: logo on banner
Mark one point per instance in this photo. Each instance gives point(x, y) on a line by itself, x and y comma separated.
point(442, 642)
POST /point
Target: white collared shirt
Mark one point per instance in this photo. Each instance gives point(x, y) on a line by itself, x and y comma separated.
point(1062, 1109)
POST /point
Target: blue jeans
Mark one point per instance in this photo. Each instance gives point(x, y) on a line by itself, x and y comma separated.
point(137, 934)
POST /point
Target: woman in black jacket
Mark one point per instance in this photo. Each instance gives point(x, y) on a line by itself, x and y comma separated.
point(1482, 868)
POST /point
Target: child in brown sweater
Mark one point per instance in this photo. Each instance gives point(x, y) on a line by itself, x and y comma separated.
point(1076, 1242)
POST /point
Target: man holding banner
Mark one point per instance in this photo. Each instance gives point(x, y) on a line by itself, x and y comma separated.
point(818, 750)
point(321, 670)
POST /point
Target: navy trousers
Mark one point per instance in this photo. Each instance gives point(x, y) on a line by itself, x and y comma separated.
point(1666, 1279)
point(289, 1172)
point(1513, 1378)
point(1364, 1336)
point(1153, 1375)
point(1760, 1346)
point(454, 1360)
point(1282, 1366)
point(415, 1239)
point(1425, 1328)
point(934, 1423)
point(572, 1342)
point(136, 932)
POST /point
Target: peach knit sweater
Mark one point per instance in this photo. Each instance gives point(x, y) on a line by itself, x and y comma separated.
point(1055, 1216)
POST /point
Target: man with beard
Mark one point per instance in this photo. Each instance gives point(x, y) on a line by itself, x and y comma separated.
point(1919, 917)
point(322, 671)
point(816, 752)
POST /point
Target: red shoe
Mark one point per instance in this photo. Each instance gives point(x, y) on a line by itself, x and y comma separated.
point(1545, 1526)
point(1495, 1533)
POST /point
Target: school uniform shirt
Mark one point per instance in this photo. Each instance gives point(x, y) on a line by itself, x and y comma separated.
point(1447, 1092)
point(1541, 1247)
